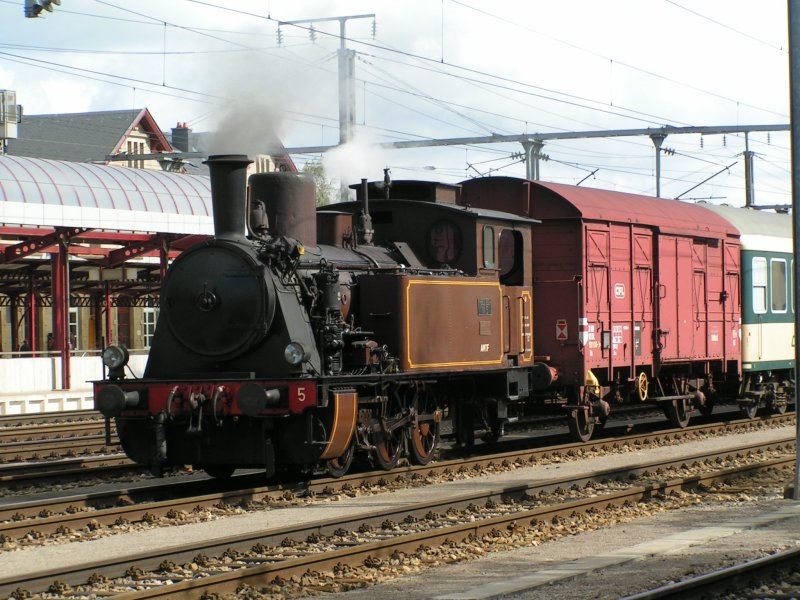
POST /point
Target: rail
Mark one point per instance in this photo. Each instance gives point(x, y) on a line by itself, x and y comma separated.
point(441, 534)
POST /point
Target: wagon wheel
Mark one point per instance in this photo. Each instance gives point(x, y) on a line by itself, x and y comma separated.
point(750, 410)
point(677, 413)
point(778, 402)
point(641, 386)
point(423, 436)
point(219, 471)
point(601, 424)
point(336, 467)
point(778, 406)
point(581, 425)
point(387, 449)
point(707, 407)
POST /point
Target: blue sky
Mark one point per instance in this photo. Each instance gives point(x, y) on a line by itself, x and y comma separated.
point(435, 69)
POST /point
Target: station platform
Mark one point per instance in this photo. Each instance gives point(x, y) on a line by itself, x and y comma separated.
point(31, 385)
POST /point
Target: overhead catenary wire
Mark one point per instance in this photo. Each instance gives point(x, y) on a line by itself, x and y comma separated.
point(156, 87)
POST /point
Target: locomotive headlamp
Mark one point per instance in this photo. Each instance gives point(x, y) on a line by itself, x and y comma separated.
point(115, 357)
point(294, 353)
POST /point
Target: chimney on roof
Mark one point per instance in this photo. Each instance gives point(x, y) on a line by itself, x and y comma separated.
point(181, 137)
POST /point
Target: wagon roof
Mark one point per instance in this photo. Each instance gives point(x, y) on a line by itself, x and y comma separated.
point(402, 204)
point(671, 216)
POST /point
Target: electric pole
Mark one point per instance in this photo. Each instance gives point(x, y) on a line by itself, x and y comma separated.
point(347, 77)
point(347, 72)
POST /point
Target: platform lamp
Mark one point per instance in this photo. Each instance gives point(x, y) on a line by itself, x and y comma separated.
point(33, 8)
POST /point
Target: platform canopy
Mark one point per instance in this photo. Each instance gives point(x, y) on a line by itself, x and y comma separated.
point(125, 222)
point(47, 193)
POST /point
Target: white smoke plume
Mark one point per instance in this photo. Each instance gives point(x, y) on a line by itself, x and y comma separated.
point(356, 160)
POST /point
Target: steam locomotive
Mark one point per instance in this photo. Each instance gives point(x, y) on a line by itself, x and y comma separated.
point(297, 338)
point(275, 351)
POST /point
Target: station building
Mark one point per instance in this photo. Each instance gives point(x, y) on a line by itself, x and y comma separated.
point(84, 245)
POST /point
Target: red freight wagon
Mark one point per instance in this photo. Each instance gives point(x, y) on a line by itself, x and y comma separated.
point(635, 298)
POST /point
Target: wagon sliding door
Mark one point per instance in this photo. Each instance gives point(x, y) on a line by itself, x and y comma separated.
point(674, 330)
point(597, 304)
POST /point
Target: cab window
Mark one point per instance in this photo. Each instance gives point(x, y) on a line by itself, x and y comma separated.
point(510, 257)
point(488, 247)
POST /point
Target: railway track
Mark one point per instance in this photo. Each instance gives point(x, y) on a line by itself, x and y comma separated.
point(367, 535)
point(66, 416)
point(46, 437)
point(55, 448)
point(32, 472)
point(158, 499)
point(51, 436)
point(50, 431)
point(730, 580)
point(33, 477)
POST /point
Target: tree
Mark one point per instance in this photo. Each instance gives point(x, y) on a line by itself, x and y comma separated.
point(325, 189)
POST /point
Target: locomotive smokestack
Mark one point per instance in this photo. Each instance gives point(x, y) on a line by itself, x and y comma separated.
point(228, 193)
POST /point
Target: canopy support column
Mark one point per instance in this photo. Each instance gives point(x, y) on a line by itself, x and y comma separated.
point(60, 276)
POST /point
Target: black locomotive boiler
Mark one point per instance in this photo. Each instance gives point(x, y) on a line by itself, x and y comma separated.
point(294, 338)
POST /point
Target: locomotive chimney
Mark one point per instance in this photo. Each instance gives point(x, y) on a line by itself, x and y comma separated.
point(228, 193)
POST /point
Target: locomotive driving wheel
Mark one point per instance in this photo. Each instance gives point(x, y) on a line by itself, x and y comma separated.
point(337, 467)
point(387, 449)
point(386, 432)
point(423, 436)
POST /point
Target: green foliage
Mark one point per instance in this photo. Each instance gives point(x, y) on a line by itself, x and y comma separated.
point(325, 189)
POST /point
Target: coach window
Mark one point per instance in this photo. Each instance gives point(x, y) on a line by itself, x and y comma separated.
point(759, 285)
point(488, 247)
point(778, 286)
